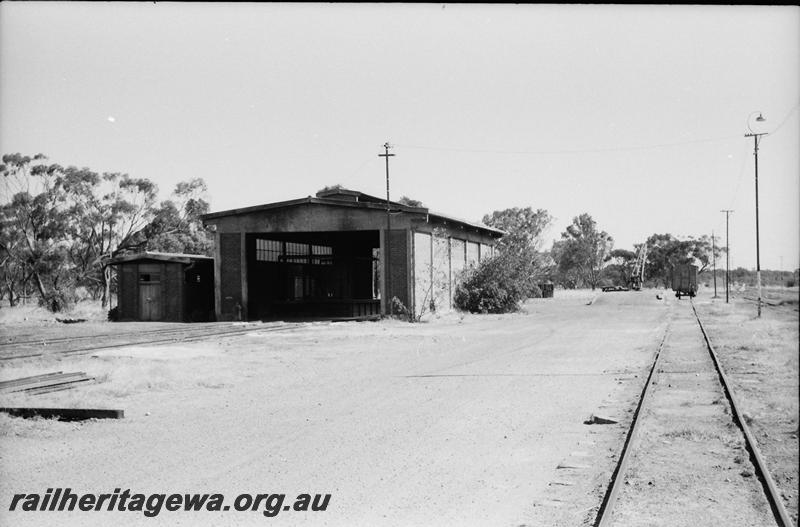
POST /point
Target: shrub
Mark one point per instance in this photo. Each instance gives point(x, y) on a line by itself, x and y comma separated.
point(534, 291)
point(496, 285)
point(113, 314)
point(399, 310)
point(57, 300)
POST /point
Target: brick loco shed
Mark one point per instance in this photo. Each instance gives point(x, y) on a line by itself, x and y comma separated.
point(325, 256)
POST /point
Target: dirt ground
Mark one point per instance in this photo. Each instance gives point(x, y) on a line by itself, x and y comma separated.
point(760, 357)
point(689, 465)
point(463, 420)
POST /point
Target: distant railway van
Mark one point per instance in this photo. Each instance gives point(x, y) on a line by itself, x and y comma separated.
point(684, 280)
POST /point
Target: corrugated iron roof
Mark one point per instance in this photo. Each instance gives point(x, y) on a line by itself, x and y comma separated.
point(163, 257)
point(354, 199)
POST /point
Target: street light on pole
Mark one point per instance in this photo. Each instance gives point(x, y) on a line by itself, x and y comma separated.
point(756, 139)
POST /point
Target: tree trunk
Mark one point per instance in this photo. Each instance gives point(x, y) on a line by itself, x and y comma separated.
point(40, 285)
point(106, 286)
point(11, 301)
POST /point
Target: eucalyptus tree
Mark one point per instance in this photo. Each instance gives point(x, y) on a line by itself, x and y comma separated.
point(582, 251)
point(521, 243)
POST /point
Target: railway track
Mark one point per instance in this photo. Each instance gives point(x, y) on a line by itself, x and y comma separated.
point(633, 450)
point(65, 346)
point(24, 339)
point(767, 301)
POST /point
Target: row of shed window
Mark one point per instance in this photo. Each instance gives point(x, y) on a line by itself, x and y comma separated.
point(293, 252)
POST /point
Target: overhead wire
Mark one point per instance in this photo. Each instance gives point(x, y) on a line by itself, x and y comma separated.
point(556, 152)
point(739, 179)
point(735, 196)
point(785, 119)
point(361, 167)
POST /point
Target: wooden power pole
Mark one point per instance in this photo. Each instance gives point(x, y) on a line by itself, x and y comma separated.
point(387, 268)
point(727, 253)
point(714, 257)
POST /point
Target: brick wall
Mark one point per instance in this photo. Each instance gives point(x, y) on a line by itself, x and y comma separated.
point(172, 284)
point(399, 266)
point(128, 296)
point(230, 275)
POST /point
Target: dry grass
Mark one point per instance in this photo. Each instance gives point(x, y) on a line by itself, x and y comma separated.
point(692, 433)
point(122, 374)
point(89, 310)
point(33, 428)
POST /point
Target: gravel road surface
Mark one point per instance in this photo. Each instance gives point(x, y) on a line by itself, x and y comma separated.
point(461, 421)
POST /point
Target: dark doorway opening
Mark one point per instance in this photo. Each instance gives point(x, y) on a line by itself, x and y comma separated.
point(313, 275)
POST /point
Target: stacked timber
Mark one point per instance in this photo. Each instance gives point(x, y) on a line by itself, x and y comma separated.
point(46, 383)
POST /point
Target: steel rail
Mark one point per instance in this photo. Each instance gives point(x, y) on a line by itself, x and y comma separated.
point(605, 512)
point(765, 301)
point(33, 338)
point(188, 338)
point(762, 471)
point(160, 331)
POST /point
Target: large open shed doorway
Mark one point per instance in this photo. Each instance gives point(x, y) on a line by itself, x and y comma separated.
point(320, 257)
point(313, 274)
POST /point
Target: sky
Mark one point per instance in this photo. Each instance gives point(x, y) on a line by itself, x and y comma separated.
point(633, 114)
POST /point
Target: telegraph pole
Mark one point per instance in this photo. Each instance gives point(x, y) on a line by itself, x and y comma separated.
point(387, 267)
point(756, 137)
point(727, 252)
point(714, 256)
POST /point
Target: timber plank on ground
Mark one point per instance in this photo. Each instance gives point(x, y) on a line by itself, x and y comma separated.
point(65, 414)
point(31, 383)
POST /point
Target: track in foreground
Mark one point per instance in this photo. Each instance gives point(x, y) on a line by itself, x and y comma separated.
point(34, 348)
point(626, 464)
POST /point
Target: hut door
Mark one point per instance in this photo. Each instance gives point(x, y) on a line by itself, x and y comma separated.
point(149, 292)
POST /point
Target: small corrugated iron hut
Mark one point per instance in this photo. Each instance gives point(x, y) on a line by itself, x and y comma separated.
point(329, 256)
point(166, 287)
